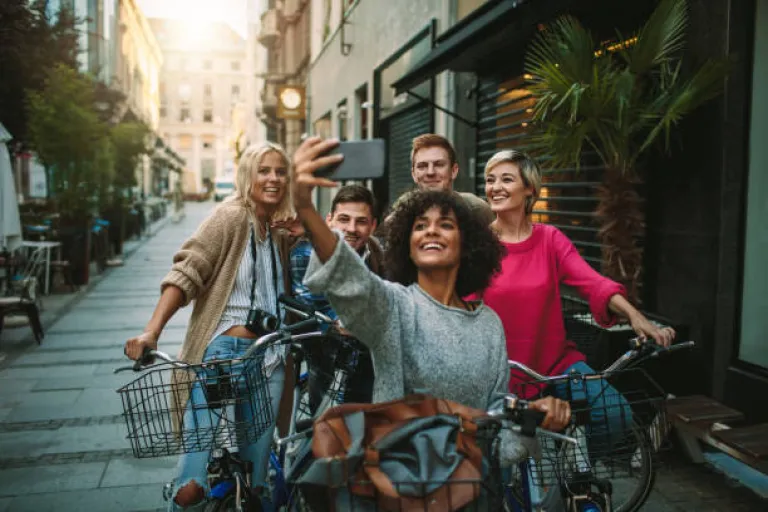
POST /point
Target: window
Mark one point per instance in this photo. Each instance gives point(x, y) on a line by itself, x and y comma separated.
point(207, 65)
point(361, 116)
point(235, 65)
point(185, 115)
point(185, 91)
point(341, 117)
point(209, 141)
point(163, 111)
point(207, 91)
point(208, 115)
point(235, 92)
point(207, 168)
point(185, 141)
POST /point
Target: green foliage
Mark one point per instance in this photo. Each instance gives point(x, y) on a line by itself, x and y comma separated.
point(616, 102)
point(31, 42)
point(70, 140)
point(131, 142)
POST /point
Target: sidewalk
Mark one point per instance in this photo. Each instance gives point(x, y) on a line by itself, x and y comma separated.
point(62, 437)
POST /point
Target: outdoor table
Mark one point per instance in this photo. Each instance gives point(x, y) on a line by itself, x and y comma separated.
point(46, 246)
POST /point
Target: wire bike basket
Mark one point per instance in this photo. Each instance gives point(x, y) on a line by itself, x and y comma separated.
point(621, 418)
point(329, 367)
point(215, 404)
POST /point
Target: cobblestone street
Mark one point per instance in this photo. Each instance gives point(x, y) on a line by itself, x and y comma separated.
point(62, 438)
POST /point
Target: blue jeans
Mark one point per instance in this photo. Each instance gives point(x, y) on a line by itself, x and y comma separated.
point(193, 466)
point(610, 413)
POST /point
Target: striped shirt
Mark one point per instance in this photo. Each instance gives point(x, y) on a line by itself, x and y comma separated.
point(236, 310)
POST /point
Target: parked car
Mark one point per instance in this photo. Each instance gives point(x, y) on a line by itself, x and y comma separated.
point(222, 188)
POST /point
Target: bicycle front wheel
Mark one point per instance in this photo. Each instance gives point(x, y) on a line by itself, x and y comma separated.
point(628, 467)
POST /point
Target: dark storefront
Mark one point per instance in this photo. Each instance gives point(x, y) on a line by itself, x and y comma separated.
point(399, 119)
point(696, 199)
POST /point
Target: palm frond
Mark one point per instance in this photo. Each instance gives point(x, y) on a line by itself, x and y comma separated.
point(680, 99)
point(662, 36)
point(561, 55)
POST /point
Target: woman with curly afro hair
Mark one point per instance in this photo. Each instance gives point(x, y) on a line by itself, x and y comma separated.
point(421, 333)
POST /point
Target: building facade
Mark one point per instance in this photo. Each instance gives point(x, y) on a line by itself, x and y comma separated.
point(137, 75)
point(283, 33)
point(204, 108)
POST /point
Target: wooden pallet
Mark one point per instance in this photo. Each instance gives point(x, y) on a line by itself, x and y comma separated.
point(701, 419)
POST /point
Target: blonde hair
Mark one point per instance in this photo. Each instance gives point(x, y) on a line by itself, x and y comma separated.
point(529, 172)
point(249, 163)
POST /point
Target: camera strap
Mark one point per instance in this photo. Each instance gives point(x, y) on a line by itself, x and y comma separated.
point(274, 270)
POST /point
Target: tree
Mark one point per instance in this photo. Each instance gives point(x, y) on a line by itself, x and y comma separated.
point(70, 140)
point(130, 143)
point(615, 101)
point(31, 42)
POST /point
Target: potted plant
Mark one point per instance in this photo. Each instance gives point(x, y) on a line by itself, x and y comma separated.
point(617, 102)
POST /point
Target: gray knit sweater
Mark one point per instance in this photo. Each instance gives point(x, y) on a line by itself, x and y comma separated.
point(417, 344)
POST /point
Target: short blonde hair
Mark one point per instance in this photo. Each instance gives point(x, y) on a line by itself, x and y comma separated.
point(529, 172)
point(249, 163)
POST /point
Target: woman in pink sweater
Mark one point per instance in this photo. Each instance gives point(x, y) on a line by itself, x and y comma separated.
point(526, 293)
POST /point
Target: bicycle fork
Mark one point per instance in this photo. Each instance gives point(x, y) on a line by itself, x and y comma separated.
point(583, 492)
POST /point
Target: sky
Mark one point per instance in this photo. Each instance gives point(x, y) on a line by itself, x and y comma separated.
point(230, 11)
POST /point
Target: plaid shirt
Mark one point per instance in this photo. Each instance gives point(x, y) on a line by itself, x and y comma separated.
point(299, 262)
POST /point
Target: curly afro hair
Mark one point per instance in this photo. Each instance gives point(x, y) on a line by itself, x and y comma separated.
point(481, 251)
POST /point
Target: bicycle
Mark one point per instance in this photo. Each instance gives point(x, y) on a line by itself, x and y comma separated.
point(595, 473)
point(155, 404)
point(308, 403)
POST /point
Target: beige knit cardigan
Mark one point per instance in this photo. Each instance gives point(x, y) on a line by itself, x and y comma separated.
point(205, 269)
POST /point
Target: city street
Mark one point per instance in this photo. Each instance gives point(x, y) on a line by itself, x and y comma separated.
point(62, 438)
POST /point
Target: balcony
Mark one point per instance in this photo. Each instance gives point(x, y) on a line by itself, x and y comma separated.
point(270, 28)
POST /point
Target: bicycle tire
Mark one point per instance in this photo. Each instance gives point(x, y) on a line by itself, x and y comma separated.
point(647, 472)
point(646, 475)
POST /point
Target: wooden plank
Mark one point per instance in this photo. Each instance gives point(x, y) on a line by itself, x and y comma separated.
point(751, 440)
point(701, 409)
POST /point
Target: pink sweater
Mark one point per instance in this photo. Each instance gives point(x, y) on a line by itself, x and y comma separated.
point(526, 296)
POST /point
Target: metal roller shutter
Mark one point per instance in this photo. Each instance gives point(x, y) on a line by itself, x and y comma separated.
point(568, 197)
point(402, 128)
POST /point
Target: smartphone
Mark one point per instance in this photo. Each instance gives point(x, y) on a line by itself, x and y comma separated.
point(363, 160)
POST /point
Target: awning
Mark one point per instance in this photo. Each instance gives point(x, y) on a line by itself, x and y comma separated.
point(495, 37)
point(478, 39)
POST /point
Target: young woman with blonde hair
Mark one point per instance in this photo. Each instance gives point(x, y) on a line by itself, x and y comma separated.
point(233, 262)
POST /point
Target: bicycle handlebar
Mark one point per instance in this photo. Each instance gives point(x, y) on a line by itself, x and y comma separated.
point(638, 348)
point(310, 319)
point(525, 420)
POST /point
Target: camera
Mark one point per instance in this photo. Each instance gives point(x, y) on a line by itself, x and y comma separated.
point(260, 322)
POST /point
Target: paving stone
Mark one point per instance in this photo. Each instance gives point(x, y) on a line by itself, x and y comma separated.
point(12, 387)
point(78, 410)
point(51, 479)
point(121, 472)
point(4, 412)
point(114, 499)
point(64, 440)
point(5, 504)
point(79, 356)
point(108, 338)
point(40, 399)
point(46, 372)
point(106, 381)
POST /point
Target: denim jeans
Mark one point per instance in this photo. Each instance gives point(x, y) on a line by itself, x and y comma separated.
point(610, 413)
point(193, 466)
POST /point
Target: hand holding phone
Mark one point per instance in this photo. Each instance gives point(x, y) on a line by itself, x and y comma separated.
point(363, 160)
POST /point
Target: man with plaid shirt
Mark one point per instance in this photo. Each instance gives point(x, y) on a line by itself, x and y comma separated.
point(353, 214)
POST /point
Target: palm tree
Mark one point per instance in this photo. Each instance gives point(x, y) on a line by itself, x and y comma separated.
point(615, 101)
